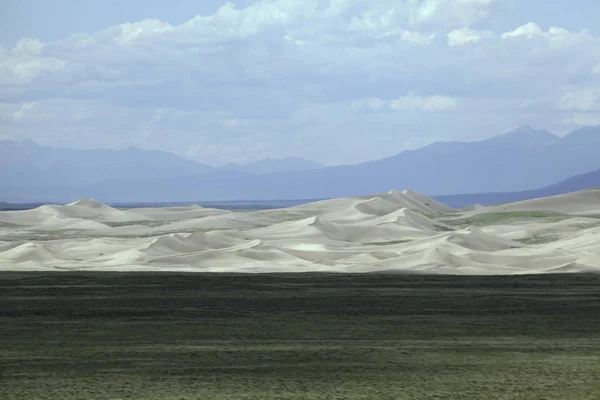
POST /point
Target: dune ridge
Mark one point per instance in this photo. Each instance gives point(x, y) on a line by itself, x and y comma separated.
point(396, 231)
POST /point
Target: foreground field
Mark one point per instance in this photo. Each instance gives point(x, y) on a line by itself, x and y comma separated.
point(309, 336)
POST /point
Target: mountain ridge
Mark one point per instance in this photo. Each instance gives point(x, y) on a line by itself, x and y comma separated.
point(589, 180)
point(514, 162)
point(274, 165)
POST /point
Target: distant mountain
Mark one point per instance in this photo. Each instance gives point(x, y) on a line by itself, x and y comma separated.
point(270, 165)
point(589, 180)
point(514, 162)
point(26, 163)
point(584, 136)
point(578, 182)
point(519, 160)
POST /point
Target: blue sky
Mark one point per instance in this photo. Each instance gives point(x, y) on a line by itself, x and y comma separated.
point(337, 81)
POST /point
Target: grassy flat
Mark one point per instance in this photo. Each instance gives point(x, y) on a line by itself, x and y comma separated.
point(150, 224)
point(308, 336)
point(505, 217)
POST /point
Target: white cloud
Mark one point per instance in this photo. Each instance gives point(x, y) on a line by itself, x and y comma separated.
point(528, 30)
point(461, 36)
point(412, 102)
point(25, 109)
point(581, 100)
point(409, 36)
point(25, 62)
point(146, 28)
point(583, 119)
point(452, 12)
point(532, 30)
point(288, 71)
point(28, 46)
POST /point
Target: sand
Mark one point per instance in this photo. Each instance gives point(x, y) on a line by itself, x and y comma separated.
point(404, 232)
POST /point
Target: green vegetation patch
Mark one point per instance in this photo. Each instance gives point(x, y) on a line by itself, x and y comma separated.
point(538, 239)
point(300, 336)
point(9, 225)
point(153, 234)
point(44, 235)
point(148, 223)
point(442, 228)
point(505, 217)
point(435, 215)
point(429, 214)
point(597, 216)
point(388, 243)
point(278, 216)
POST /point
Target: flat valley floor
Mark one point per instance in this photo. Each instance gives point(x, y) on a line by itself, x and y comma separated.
point(298, 336)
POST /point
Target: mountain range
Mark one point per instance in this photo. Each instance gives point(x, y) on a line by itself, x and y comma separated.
point(39, 165)
point(27, 163)
point(504, 165)
point(270, 166)
point(573, 184)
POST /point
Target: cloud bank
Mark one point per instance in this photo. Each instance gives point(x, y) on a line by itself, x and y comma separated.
point(336, 81)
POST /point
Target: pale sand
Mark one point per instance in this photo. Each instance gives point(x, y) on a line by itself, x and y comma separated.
point(404, 232)
point(582, 203)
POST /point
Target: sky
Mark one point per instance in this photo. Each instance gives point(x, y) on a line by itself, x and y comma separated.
point(337, 82)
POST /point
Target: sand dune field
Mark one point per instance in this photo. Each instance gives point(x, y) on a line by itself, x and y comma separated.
point(404, 232)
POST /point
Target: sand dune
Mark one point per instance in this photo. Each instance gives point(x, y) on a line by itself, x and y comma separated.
point(417, 201)
point(581, 203)
point(191, 243)
point(86, 209)
point(404, 232)
point(30, 252)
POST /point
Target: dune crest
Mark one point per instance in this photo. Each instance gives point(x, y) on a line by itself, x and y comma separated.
point(88, 202)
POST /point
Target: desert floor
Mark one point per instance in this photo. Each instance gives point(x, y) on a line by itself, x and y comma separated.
point(298, 336)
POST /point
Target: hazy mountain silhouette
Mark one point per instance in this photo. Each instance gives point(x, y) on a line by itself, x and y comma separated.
point(589, 180)
point(514, 162)
point(26, 163)
point(273, 165)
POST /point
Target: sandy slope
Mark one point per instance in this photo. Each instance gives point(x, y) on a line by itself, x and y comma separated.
point(395, 232)
point(583, 203)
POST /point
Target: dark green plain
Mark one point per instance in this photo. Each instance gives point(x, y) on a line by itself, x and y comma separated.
point(298, 336)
